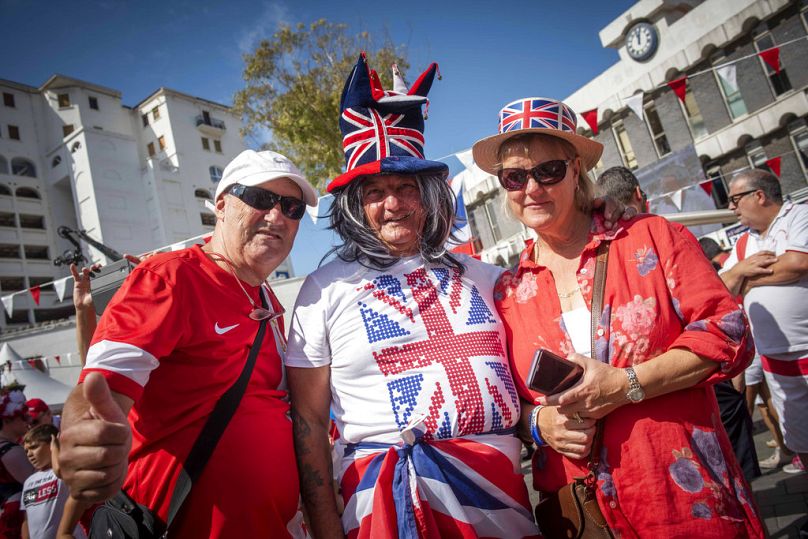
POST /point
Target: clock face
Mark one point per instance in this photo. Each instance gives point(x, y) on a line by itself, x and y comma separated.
point(642, 41)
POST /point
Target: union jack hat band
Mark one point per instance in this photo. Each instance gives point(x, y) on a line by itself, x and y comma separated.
point(535, 115)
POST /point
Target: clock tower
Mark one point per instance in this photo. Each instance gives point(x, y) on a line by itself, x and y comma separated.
point(642, 41)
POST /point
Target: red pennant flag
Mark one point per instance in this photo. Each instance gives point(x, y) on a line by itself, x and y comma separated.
point(679, 87)
point(35, 293)
point(32, 363)
point(591, 117)
point(58, 359)
point(774, 164)
point(708, 187)
point(772, 57)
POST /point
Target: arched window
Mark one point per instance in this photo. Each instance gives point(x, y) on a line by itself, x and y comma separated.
point(27, 192)
point(3, 165)
point(215, 174)
point(55, 161)
point(203, 193)
point(23, 167)
point(4, 190)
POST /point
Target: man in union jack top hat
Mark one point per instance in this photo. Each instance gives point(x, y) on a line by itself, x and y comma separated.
point(400, 339)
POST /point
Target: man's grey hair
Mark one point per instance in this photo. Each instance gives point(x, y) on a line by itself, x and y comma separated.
point(764, 180)
point(361, 243)
point(619, 183)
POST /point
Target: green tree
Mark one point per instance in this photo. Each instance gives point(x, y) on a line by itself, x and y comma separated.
point(293, 82)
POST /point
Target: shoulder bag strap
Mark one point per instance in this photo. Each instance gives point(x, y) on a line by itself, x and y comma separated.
point(214, 427)
point(598, 289)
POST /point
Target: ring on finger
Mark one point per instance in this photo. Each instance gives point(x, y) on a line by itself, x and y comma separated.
point(578, 417)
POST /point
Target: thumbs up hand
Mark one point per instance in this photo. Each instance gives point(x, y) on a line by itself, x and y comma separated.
point(95, 440)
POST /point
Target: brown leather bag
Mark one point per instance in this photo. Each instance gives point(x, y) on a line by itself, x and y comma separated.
point(573, 512)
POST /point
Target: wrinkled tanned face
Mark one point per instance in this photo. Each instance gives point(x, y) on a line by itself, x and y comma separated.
point(393, 210)
point(261, 237)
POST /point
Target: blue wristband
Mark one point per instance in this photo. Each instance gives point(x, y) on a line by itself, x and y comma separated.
point(535, 433)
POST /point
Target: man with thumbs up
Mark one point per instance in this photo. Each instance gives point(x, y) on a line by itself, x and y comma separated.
point(170, 345)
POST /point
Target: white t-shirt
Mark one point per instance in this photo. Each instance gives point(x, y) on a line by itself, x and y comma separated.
point(43, 500)
point(778, 314)
point(409, 343)
point(578, 323)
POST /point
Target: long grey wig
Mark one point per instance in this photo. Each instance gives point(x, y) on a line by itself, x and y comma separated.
point(360, 243)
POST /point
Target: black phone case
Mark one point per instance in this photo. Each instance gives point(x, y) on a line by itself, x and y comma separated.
point(551, 373)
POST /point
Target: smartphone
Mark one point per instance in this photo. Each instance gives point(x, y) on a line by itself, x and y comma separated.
point(551, 373)
point(106, 281)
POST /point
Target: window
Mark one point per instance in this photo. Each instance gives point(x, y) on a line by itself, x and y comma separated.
point(7, 219)
point(3, 165)
point(217, 145)
point(623, 142)
point(67, 129)
point(162, 142)
point(203, 193)
point(693, 114)
point(75, 147)
point(23, 167)
point(800, 141)
point(720, 190)
point(657, 133)
point(36, 252)
point(150, 149)
point(32, 221)
point(208, 219)
point(490, 208)
point(8, 99)
point(779, 81)
point(27, 192)
point(4, 190)
point(145, 118)
point(756, 155)
point(205, 144)
point(9, 251)
point(156, 113)
point(215, 174)
point(55, 161)
point(12, 284)
point(93, 102)
point(64, 100)
point(13, 132)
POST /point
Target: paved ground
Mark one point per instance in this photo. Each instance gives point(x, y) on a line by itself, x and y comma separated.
point(782, 497)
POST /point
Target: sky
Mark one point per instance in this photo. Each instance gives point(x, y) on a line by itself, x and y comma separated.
point(489, 53)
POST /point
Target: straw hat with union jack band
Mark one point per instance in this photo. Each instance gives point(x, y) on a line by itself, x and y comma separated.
point(535, 115)
point(383, 130)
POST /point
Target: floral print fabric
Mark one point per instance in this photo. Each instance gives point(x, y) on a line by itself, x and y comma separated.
point(667, 465)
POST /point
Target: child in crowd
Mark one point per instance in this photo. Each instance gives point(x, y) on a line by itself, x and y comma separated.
point(43, 494)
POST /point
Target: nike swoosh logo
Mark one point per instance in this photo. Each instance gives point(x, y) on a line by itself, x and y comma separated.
point(222, 331)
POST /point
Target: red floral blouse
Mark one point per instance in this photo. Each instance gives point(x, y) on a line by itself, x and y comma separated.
point(667, 466)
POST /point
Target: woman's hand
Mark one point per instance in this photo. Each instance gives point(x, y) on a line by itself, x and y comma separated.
point(565, 434)
point(601, 390)
point(82, 298)
point(613, 210)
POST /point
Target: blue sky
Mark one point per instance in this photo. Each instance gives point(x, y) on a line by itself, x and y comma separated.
point(489, 52)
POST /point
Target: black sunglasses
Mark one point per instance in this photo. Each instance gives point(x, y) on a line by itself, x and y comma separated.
point(262, 199)
point(734, 199)
point(547, 173)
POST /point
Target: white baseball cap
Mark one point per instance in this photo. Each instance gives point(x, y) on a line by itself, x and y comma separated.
point(251, 168)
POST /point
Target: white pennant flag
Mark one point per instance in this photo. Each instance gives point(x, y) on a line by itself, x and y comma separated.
point(8, 303)
point(314, 211)
point(60, 286)
point(177, 246)
point(634, 102)
point(727, 73)
point(676, 198)
point(465, 158)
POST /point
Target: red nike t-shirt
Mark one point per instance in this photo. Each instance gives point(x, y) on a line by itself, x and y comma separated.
point(174, 338)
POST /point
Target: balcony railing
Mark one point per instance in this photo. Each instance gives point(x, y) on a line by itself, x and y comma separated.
point(201, 121)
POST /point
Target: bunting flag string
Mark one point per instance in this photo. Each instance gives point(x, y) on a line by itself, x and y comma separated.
point(679, 87)
point(591, 117)
point(774, 164)
point(772, 58)
point(635, 102)
point(36, 292)
point(60, 285)
point(729, 75)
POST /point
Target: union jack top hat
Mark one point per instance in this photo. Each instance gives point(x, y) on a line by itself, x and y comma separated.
point(383, 130)
point(535, 115)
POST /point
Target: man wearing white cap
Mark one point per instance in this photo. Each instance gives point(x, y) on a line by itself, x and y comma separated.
point(173, 345)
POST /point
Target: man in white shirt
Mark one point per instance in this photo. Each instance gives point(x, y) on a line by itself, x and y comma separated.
point(769, 267)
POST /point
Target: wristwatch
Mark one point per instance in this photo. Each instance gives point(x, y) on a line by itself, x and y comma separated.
point(635, 391)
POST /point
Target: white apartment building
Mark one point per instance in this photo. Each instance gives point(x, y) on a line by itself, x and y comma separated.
point(134, 178)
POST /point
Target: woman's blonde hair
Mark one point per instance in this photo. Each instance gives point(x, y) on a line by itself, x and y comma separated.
point(520, 146)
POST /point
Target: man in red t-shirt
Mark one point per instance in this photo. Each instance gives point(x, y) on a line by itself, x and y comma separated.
point(173, 339)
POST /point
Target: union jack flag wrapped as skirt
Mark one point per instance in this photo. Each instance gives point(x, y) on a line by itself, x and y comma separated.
point(461, 487)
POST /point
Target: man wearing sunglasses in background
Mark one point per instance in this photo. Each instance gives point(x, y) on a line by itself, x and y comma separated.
point(769, 267)
point(171, 342)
